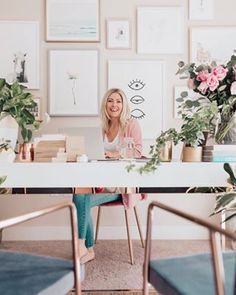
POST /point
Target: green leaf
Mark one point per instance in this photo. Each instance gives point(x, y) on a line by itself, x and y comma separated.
point(2, 179)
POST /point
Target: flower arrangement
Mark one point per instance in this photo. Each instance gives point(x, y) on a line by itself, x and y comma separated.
point(215, 83)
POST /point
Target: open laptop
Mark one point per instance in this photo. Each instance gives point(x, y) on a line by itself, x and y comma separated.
point(93, 140)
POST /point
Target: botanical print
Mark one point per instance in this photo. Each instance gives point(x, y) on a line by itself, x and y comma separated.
point(118, 34)
point(142, 82)
point(20, 66)
point(74, 86)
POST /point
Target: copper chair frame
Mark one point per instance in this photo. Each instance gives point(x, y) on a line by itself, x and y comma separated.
point(74, 231)
point(214, 235)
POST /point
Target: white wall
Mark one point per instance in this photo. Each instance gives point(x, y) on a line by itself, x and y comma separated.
point(35, 11)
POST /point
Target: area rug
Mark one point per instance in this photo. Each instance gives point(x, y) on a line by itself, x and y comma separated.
point(111, 270)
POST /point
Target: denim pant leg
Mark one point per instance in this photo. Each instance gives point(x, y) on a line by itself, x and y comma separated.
point(83, 204)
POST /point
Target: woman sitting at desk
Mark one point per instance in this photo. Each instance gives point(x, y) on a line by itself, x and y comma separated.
point(117, 124)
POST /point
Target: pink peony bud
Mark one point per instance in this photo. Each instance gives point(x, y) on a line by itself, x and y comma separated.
point(220, 72)
point(202, 76)
point(212, 82)
point(233, 88)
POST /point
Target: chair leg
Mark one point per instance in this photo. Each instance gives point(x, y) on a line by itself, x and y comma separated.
point(97, 224)
point(139, 226)
point(1, 230)
point(129, 238)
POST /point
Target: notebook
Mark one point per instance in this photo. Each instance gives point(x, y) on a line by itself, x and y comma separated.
point(93, 140)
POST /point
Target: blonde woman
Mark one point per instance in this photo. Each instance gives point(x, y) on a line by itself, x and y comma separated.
point(117, 124)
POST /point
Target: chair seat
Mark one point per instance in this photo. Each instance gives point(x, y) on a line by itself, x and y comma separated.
point(113, 203)
point(181, 272)
point(28, 274)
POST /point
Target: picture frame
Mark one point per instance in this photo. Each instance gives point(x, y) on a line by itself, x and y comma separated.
point(118, 34)
point(159, 28)
point(36, 111)
point(73, 87)
point(80, 23)
point(204, 44)
point(201, 9)
point(19, 56)
point(143, 83)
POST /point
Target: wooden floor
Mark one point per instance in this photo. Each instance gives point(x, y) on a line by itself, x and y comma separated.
point(116, 292)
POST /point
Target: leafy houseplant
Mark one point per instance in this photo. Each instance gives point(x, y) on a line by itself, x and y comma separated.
point(214, 83)
point(17, 103)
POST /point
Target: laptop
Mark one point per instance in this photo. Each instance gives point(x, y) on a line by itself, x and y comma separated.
point(93, 140)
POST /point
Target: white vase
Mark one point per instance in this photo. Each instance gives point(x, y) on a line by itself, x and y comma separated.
point(7, 156)
point(8, 129)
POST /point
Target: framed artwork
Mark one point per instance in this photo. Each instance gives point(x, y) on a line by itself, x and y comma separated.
point(177, 91)
point(73, 88)
point(19, 56)
point(143, 83)
point(160, 30)
point(201, 9)
point(72, 20)
point(36, 111)
point(118, 34)
point(204, 44)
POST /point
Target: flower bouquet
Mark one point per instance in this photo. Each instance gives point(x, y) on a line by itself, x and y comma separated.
point(215, 83)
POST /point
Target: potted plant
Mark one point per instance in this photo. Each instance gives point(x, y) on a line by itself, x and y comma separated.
point(16, 103)
point(215, 83)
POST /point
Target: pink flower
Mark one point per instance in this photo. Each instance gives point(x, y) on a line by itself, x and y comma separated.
point(190, 84)
point(203, 87)
point(212, 82)
point(202, 76)
point(219, 72)
point(233, 88)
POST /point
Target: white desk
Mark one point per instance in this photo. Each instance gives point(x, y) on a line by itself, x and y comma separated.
point(96, 174)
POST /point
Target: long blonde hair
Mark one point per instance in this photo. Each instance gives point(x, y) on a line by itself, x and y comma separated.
point(125, 113)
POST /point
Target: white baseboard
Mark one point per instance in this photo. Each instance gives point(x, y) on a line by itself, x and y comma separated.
point(21, 233)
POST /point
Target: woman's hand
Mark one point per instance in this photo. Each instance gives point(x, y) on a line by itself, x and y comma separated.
point(112, 155)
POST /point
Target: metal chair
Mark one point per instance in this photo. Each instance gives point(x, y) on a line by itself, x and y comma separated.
point(119, 203)
point(207, 273)
point(24, 273)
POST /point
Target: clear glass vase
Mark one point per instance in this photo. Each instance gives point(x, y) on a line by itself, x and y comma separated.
point(226, 133)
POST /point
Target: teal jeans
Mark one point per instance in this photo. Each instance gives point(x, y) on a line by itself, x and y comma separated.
point(84, 203)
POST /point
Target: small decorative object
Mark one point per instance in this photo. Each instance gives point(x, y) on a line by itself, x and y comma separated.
point(118, 34)
point(215, 83)
point(80, 23)
point(26, 152)
point(201, 9)
point(17, 103)
point(6, 152)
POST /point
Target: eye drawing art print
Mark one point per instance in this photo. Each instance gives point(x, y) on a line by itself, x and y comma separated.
point(142, 82)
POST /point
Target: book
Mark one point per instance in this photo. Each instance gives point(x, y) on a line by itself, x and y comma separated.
point(224, 159)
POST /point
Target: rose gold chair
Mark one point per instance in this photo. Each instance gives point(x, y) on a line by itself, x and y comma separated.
point(205, 273)
point(24, 273)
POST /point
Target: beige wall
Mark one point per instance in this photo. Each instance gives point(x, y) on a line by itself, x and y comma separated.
point(35, 11)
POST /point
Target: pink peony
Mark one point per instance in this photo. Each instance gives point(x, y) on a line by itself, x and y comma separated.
point(233, 88)
point(202, 76)
point(190, 84)
point(219, 72)
point(203, 87)
point(212, 82)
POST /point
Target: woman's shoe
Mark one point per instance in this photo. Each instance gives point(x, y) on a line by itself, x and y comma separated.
point(90, 255)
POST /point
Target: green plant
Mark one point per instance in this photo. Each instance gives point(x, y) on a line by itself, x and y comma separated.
point(2, 179)
point(16, 102)
point(227, 201)
point(5, 145)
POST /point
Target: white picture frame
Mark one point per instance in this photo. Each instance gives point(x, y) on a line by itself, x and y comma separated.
point(73, 20)
point(201, 9)
point(19, 56)
point(118, 34)
point(160, 30)
point(73, 87)
point(143, 83)
point(204, 44)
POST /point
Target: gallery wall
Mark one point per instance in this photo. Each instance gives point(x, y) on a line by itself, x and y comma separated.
point(28, 10)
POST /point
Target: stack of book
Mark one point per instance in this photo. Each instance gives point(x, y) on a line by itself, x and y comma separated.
point(219, 153)
point(47, 147)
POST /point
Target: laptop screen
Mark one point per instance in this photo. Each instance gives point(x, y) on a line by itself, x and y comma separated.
point(93, 140)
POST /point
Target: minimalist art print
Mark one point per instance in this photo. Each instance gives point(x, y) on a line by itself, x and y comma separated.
point(118, 34)
point(201, 9)
point(19, 56)
point(212, 44)
point(72, 20)
point(143, 83)
point(73, 87)
point(160, 30)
